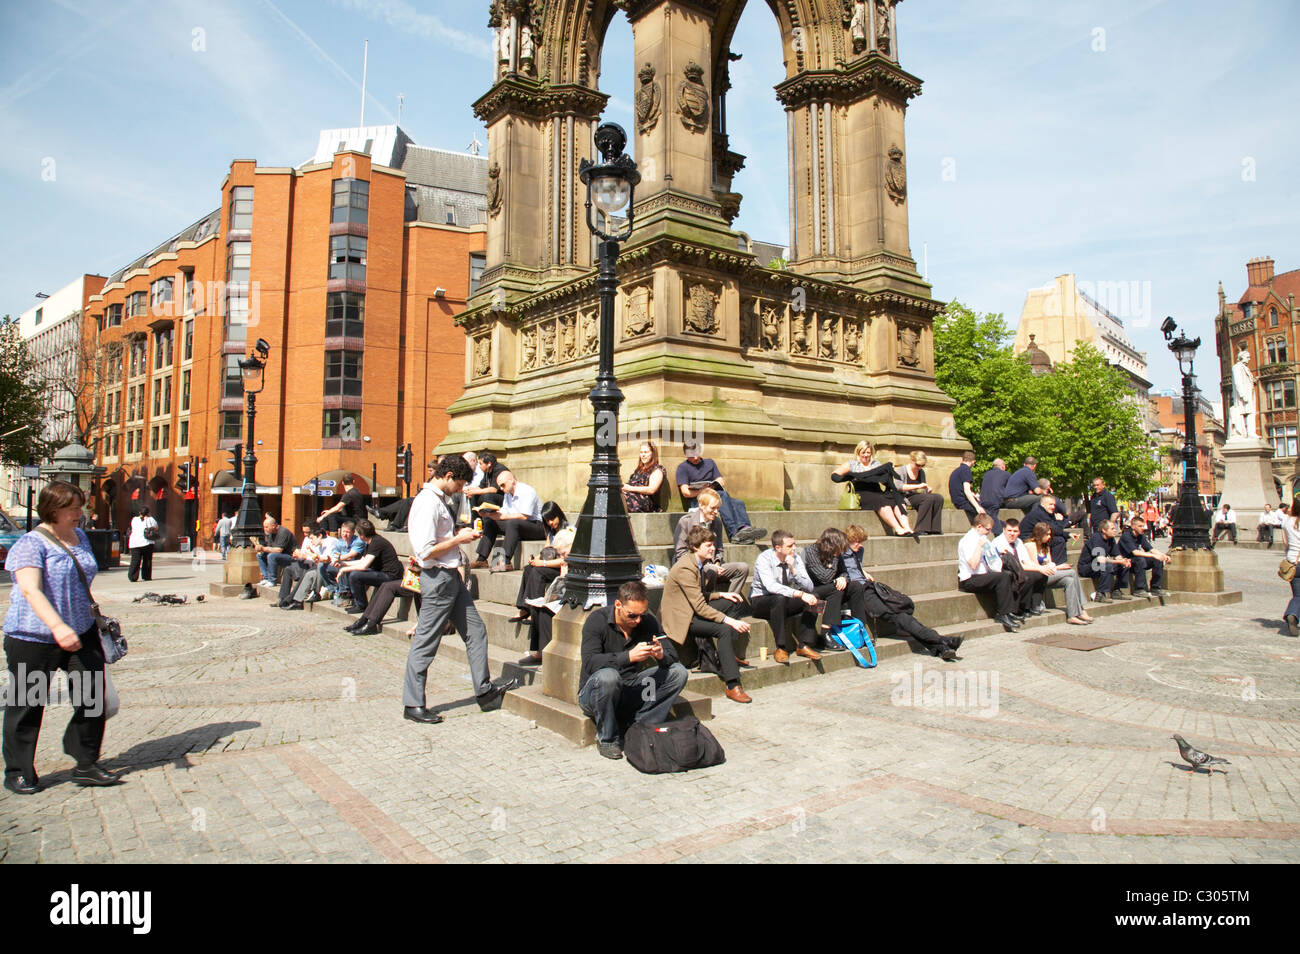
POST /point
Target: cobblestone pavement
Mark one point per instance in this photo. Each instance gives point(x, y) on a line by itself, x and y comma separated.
point(251, 734)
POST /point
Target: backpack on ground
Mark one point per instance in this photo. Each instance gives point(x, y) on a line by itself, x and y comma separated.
point(678, 746)
point(854, 637)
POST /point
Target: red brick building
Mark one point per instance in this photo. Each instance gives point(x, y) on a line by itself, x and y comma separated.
point(352, 268)
point(1265, 321)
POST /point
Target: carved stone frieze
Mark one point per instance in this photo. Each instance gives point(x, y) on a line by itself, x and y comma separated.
point(494, 189)
point(770, 328)
point(844, 86)
point(638, 318)
point(700, 310)
point(852, 341)
point(909, 346)
point(799, 333)
point(528, 350)
point(548, 343)
point(648, 96)
point(896, 176)
point(482, 355)
point(568, 338)
point(590, 331)
point(828, 340)
point(523, 96)
point(693, 99)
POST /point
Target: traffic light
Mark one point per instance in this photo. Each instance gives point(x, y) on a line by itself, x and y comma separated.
point(401, 464)
point(237, 461)
point(183, 477)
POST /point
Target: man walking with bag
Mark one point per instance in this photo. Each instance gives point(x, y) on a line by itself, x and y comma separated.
point(435, 545)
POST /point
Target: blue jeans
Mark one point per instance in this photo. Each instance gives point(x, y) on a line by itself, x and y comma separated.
point(271, 563)
point(1293, 608)
point(732, 511)
point(614, 702)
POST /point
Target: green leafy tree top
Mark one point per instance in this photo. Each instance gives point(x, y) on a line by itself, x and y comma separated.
point(23, 398)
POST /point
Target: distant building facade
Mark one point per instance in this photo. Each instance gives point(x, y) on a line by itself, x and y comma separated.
point(352, 267)
point(1168, 436)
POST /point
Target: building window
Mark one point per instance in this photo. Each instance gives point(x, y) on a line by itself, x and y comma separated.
point(348, 257)
point(343, 373)
point(231, 426)
point(167, 394)
point(1281, 393)
point(451, 216)
point(188, 276)
point(477, 262)
point(160, 295)
point(114, 316)
point(241, 208)
point(153, 438)
point(1276, 350)
point(351, 200)
point(162, 349)
point(233, 381)
point(157, 397)
point(1248, 309)
point(342, 424)
point(1272, 317)
point(1284, 440)
point(185, 434)
point(139, 364)
point(345, 315)
point(185, 391)
point(189, 340)
point(39, 313)
point(239, 259)
point(137, 303)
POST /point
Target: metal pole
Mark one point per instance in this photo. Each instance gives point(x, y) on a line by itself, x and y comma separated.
point(1191, 523)
point(249, 522)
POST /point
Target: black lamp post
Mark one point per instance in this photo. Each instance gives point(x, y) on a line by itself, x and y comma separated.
point(1191, 522)
point(604, 554)
point(248, 524)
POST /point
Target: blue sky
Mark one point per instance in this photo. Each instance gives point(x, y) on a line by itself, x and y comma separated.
point(1148, 143)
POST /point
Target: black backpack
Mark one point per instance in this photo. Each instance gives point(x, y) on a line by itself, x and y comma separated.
point(678, 746)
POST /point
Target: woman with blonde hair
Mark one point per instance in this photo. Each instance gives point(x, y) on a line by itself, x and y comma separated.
point(911, 482)
point(875, 483)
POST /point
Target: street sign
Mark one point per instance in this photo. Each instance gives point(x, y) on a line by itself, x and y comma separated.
point(324, 493)
point(31, 470)
point(325, 483)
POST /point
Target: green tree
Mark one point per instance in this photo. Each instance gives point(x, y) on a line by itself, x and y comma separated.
point(23, 398)
point(1093, 428)
point(997, 408)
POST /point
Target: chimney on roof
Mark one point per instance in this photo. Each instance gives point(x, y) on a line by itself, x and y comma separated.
point(1259, 271)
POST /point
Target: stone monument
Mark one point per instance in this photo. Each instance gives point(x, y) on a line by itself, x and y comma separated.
point(1248, 473)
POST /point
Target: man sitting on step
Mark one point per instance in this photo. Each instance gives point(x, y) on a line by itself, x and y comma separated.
point(520, 518)
point(979, 570)
point(695, 475)
point(630, 671)
point(1137, 547)
point(1101, 560)
point(782, 593)
point(730, 575)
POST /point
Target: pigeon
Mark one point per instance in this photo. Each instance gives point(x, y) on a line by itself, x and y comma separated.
point(1197, 759)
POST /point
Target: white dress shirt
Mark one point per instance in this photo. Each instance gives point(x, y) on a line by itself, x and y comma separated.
point(1003, 545)
point(971, 544)
point(1221, 517)
point(767, 576)
point(523, 501)
point(428, 524)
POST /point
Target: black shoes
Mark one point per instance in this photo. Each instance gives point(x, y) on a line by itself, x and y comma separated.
point(353, 626)
point(954, 642)
point(491, 700)
point(367, 628)
point(749, 535)
point(420, 714)
point(294, 605)
point(22, 785)
point(1038, 611)
point(530, 660)
point(352, 609)
point(948, 655)
point(94, 775)
point(1008, 623)
point(611, 750)
point(1100, 597)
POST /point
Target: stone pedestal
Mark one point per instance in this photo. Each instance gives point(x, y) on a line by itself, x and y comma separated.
point(241, 567)
point(1248, 478)
point(1193, 571)
point(562, 657)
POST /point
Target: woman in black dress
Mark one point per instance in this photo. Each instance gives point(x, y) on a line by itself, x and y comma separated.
point(541, 618)
point(911, 482)
point(545, 567)
point(874, 482)
point(641, 492)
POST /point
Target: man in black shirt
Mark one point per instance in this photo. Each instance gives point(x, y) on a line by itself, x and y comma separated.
point(629, 674)
point(1022, 490)
point(351, 506)
point(961, 488)
point(695, 475)
point(377, 566)
point(275, 551)
point(992, 492)
point(1101, 560)
point(1101, 504)
point(1135, 545)
point(1048, 511)
point(486, 491)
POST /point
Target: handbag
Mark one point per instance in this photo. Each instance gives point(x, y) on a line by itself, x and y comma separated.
point(1286, 570)
point(849, 500)
point(677, 746)
point(152, 533)
point(110, 630)
point(411, 578)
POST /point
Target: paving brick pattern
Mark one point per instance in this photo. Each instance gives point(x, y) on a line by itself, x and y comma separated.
point(252, 734)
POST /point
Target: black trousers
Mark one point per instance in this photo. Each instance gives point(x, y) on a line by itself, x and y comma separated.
point(970, 514)
point(142, 563)
point(359, 580)
point(383, 598)
point(511, 530)
point(1265, 534)
point(779, 611)
point(539, 629)
point(1029, 590)
point(928, 509)
point(906, 623)
point(723, 635)
point(290, 578)
point(996, 582)
point(1219, 530)
point(1139, 572)
point(854, 593)
point(22, 719)
point(1106, 577)
point(533, 585)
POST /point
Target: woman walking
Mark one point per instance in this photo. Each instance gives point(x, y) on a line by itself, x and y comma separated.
point(144, 530)
point(50, 625)
point(1291, 527)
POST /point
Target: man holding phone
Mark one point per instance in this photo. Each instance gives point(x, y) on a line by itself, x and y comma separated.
point(630, 671)
point(435, 545)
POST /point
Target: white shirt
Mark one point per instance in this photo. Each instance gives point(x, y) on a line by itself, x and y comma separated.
point(971, 544)
point(137, 538)
point(523, 501)
point(1292, 541)
point(1002, 545)
point(1221, 517)
point(428, 524)
point(1274, 518)
point(767, 576)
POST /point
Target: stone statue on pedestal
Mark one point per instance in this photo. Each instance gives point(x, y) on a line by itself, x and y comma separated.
point(1242, 414)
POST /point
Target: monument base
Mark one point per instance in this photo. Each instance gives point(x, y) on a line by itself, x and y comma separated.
point(1193, 571)
point(241, 568)
point(1248, 474)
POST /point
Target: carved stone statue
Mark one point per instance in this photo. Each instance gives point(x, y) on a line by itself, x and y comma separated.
point(909, 340)
point(548, 343)
point(896, 176)
point(482, 356)
point(858, 26)
point(528, 350)
point(647, 100)
point(636, 318)
point(693, 99)
point(503, 48)
point(1241, 421)
point(771, 330)
point(526, 47)
point(494, 189)
point(798, 334)
point(827, 342)
point(590, 333)
point(851, 339)
point(882, 27)
point(701, 314)
point(568, 339)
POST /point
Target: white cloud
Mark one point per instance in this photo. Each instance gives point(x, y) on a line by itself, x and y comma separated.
point(402, 16)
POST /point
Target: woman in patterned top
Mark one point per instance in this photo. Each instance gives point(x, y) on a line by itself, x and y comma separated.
point(51, 625)
point(641, 492)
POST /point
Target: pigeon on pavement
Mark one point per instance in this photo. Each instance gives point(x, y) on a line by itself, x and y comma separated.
point(1197, 759)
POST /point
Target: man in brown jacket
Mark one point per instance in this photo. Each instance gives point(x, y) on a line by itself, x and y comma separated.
point(691, 608)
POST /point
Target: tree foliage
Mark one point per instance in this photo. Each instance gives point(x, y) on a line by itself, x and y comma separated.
point(1081, 421)
point(23, 398)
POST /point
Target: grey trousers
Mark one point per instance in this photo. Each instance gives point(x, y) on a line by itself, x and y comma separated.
point(445, 597)
point(1067, 578)
point(736, 575)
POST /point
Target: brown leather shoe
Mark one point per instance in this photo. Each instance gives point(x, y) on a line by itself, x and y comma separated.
point(807, 652)
point(781, 656)
point(738, 695)
point(743, 662)
point(479, 565)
